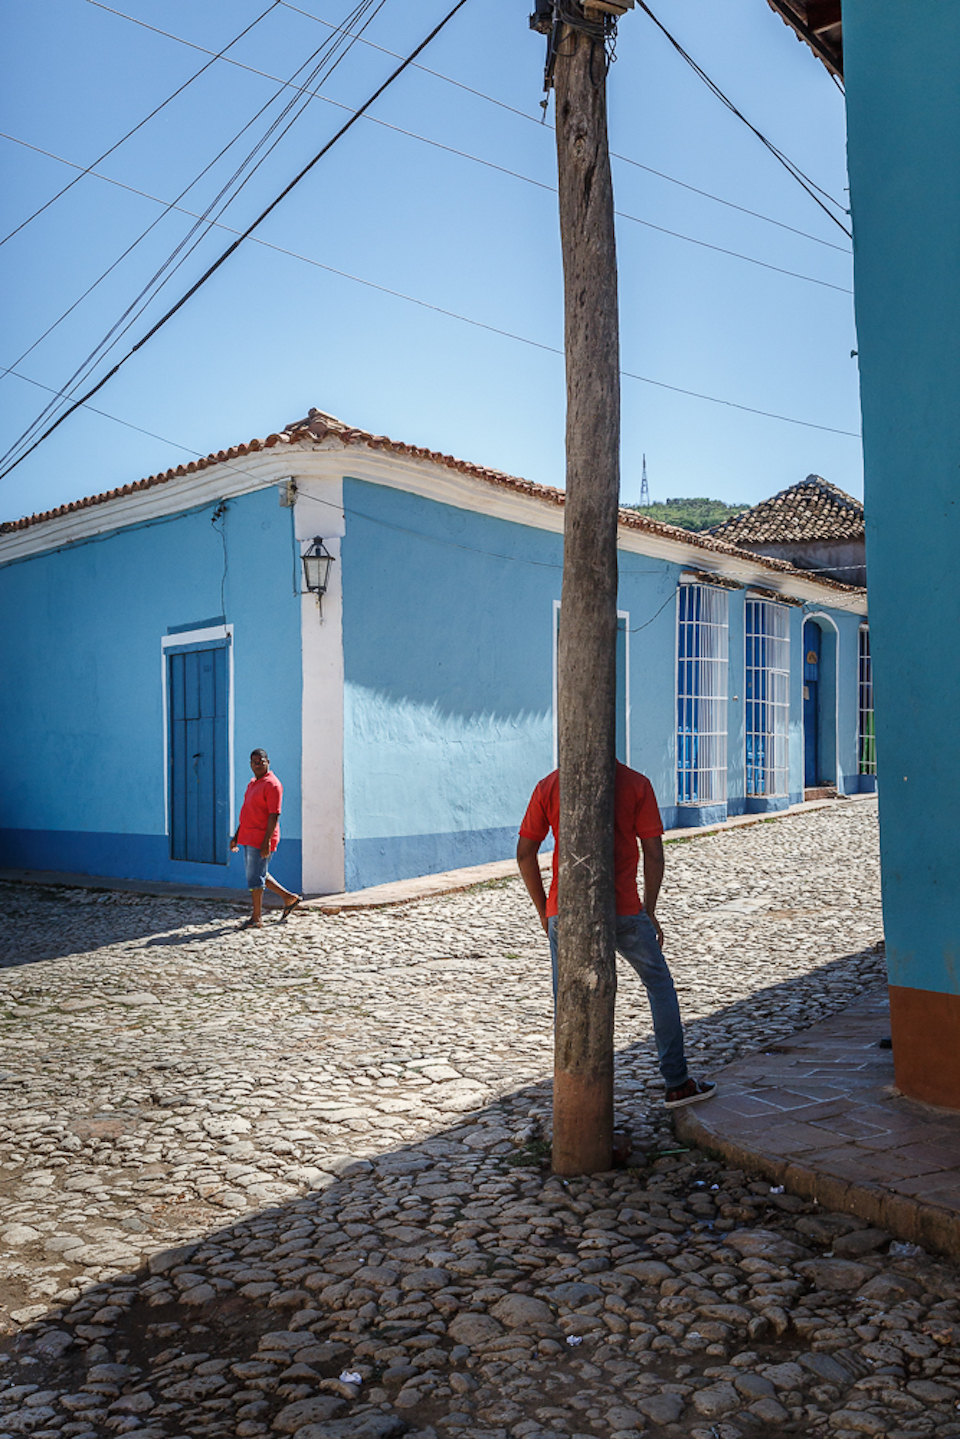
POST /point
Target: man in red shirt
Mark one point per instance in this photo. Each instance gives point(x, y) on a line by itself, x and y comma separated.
point(258, 832)
point(639, 936)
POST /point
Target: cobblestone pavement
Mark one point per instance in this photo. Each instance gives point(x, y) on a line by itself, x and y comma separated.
point(292, 1181)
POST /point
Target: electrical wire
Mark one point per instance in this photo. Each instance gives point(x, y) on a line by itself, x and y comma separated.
point(190, 242)
point(810, 186)
point(154, 283)
point(489, 164)
point(507, 334)
point(219, 55)
point(235, 244)
point(470, 90)
point(168, 207)
point(614, 155)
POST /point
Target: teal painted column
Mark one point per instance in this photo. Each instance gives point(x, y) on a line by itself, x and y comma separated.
point(902, 61)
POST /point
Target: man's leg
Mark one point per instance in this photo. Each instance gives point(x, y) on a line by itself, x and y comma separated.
point(637, 942)
point(552, 935)
point(255, 866)
point(288, 896)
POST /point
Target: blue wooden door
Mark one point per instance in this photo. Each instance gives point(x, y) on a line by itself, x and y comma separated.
point(199, 780)
point(811, 704)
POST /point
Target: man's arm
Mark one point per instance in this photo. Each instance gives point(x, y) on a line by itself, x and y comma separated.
point(652, 879)
point(529, 866)
point(271, 826)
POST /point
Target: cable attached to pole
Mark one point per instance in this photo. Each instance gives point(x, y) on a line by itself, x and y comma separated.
point(804, 181)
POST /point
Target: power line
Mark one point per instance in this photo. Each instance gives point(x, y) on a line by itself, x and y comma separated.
point(189, 243)
point(803, 180)
point(220, 54)
point(481, 324)
point(470, 90)
point(513, 110)
point(235, 244)
point(488, 164)
point(173, 205)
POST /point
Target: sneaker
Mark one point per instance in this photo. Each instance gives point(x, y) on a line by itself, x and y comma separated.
point(690, 1092)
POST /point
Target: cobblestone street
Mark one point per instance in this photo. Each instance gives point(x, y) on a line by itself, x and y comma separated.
point(293, 1180)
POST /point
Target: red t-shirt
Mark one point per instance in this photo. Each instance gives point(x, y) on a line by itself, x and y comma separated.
point(263, 798)
point(635, 816)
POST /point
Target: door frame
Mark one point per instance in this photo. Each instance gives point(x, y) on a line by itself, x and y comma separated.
point(829, 738)
point(196, 639)
point(625, 631)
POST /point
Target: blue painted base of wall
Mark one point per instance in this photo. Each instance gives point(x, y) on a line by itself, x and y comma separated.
point(692, 816)
point(379, 861)
point(766, 804)
point(868, 784)
point(132, 856)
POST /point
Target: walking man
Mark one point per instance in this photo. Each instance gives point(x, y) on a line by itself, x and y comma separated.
point(639, 936)
point(258, 833)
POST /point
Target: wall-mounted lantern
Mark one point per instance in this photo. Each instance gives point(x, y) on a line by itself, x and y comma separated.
point(316, 569)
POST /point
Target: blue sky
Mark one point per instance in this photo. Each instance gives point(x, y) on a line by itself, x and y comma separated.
point(272, 335)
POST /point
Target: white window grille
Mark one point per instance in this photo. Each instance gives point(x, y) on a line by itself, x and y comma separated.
point(767, 697)
point(867, 745)
point(702, 632)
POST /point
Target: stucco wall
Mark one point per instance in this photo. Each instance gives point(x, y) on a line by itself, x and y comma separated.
point(448, 657)
point(448, 621)
point(902, 63)
point(843, 561)
point(81, 705)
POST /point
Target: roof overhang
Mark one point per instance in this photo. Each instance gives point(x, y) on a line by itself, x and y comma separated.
point(820, 24)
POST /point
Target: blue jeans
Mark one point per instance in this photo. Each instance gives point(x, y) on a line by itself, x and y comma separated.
point(637, 942)
point(255, 867)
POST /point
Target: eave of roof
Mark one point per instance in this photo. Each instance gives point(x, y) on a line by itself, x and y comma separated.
point(819, 24)
point(320, 429)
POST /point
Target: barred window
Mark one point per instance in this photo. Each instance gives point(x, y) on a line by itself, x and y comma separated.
point(702, 632)
point(767, 697)
point(867, 744)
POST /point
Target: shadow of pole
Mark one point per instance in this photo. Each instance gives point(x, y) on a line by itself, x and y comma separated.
point(459, 1282)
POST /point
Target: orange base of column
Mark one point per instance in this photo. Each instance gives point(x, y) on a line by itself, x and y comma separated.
point(582, 1124)
point(925, 1027)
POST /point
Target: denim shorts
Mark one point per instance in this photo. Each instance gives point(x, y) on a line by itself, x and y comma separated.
point(255, 866)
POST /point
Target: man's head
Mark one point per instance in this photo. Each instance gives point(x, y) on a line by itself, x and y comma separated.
point(259, 762)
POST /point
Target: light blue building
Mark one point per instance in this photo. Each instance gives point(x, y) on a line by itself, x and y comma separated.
point(901, 62)
point(153, 636)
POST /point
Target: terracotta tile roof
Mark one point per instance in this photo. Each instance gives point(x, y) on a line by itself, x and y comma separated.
point(320, 428)
point(812, 510)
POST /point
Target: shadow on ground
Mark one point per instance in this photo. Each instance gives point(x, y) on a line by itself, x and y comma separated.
point(468, 1289)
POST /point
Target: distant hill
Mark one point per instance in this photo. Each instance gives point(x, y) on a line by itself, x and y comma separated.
point(690, 514)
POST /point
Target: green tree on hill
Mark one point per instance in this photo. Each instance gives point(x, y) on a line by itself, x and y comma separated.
point(690, 514)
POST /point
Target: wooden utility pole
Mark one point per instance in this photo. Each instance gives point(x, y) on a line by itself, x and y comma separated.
point(586, 922)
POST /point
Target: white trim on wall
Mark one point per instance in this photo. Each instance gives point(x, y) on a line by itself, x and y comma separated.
point(331, 462)
point(625, 616)
point(621, 615)
point(319, 512)
point(555, 613)
point(197, 637)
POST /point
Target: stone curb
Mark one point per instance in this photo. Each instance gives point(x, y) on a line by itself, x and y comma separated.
point(930, 1225)
point(406, 891)
point(401, 891)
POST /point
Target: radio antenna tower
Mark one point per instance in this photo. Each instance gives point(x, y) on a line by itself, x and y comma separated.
point(644, 487)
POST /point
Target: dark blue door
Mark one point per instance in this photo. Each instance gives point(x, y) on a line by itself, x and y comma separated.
point(811, 704)
point(199, 781)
